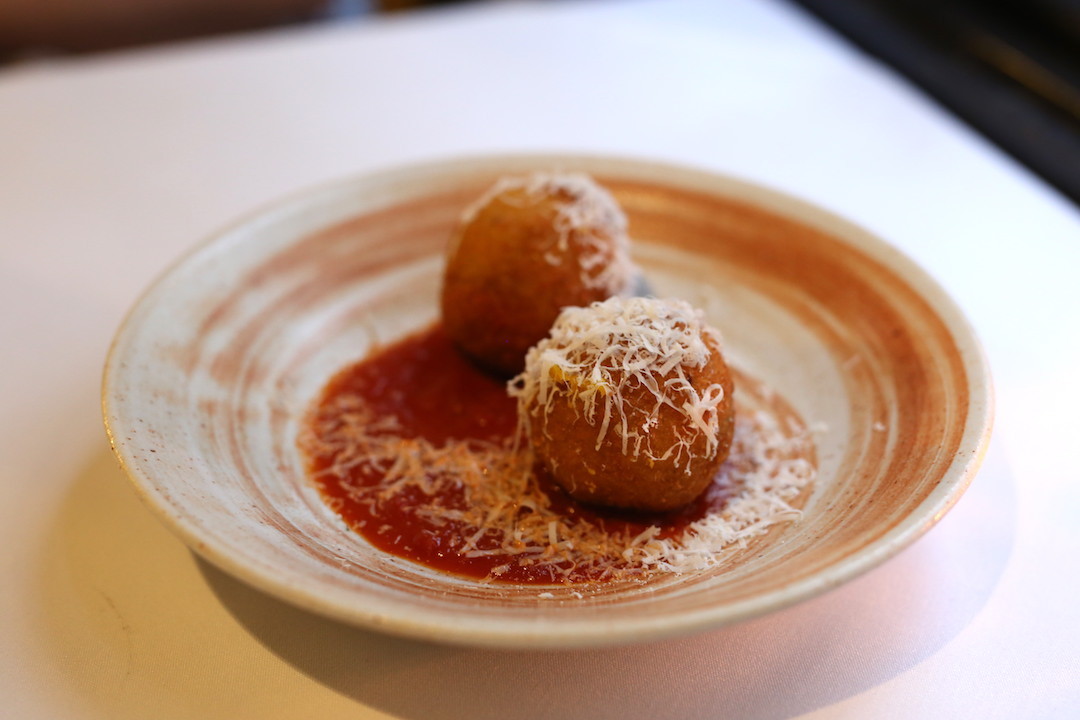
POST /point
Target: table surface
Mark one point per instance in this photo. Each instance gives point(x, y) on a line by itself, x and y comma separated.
point(112, 166)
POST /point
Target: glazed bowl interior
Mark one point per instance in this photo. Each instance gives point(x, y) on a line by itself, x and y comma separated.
point(213, 370)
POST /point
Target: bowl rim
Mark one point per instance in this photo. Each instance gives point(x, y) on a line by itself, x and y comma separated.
point(563, 632)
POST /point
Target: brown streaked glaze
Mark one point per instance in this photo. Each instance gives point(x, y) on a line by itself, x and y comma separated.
point(212, 371)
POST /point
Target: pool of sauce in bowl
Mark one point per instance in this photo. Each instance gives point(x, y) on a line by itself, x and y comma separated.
point(435, 395)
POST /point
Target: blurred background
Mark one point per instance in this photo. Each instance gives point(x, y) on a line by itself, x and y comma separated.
point(1010, 68)
point(30, 28)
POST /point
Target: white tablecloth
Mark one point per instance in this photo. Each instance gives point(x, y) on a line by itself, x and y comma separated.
point(112, 166)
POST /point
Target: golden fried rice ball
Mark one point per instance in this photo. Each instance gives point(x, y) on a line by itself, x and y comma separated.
point(629, 403)
point(529, 247)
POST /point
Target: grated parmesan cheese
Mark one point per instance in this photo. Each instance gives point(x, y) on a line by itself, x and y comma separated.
point(595, 354)
point(502, 511)
point(765, 471)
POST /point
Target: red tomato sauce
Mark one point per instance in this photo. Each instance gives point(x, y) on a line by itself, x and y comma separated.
point(434, 394)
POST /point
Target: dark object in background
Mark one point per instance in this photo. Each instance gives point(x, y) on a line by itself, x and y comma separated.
point(1010, 68)
point(36, 26)
point(60, 27)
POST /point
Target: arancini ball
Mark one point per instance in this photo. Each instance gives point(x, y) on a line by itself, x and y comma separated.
point(629, 403)
point(527, 248)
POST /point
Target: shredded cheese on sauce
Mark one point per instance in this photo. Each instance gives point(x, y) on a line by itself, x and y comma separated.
point(767, 468)
point(502, 511)
point(595, 354)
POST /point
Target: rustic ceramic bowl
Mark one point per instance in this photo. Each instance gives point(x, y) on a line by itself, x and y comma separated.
point(211, 372)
